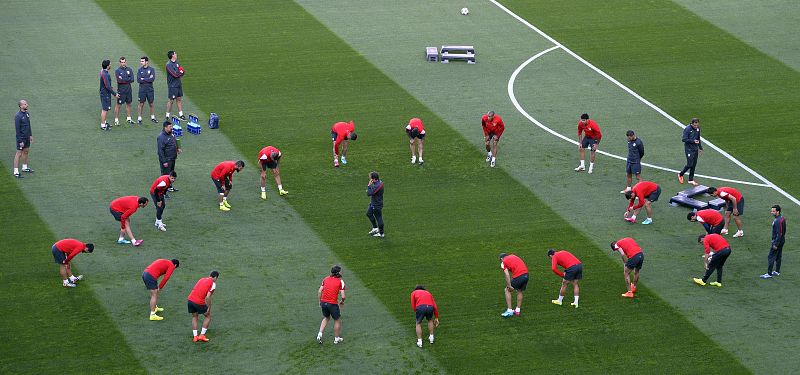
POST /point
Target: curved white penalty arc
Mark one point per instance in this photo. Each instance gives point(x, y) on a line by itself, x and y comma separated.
point(521, 110)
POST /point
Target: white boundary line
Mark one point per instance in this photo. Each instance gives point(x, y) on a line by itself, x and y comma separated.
point(645, 101)
point(513, 97)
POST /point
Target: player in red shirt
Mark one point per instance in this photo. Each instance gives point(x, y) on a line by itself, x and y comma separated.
point(329, 291)
point(516, 274)
point(268, 158)
point(717, 251)
point(415, 130)
point(200, 303)
point(573, 272)
point(424, 307)
point(711, 219)
point(647, 192)
point(633, 259)
point(341, 133)
point(734, 203)
point(222, 175)
point(122, 208)
point(589, 136)
point(158, 191)
point(493, 128)
point(150, 277)
point(63, 252)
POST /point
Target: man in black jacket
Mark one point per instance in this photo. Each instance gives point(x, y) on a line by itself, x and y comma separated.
point(22, 125)
point(374, 212)
point(692, 148)
point(168, 150)
point(633, 166)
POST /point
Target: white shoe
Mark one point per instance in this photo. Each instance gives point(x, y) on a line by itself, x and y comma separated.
point(414, 159)
point(337, 340)
point(79, 278)
point(419, 343)
point(373, 231)
point(430, 339)
point(492, 163)
point(693, 183)
point(739, 234)
point(723, 232)
point(421, 161)
point(378, 235)
point(488, 158)
point(162, 227)
point(69, 285)
point(590, 170)
point(580, 168)
point(319, 338)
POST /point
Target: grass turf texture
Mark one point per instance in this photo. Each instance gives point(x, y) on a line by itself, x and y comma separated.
point(299, 94)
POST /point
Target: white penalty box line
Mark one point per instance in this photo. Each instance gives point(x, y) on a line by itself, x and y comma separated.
point(558, 45)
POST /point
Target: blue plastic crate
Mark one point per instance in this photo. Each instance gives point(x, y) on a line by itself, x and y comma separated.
point(194, 128)
point(177, 131)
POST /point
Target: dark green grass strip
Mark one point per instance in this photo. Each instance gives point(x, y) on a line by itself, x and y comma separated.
point(278, 77)
point(47, 329)
point(689, 68)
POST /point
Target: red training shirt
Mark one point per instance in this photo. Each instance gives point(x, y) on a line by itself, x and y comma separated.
point(496, 126)
point(714, 242)
point(628, 246)
point(590, 129)
point(160, 185)
point(423, 297)
point(330, 289)
point(127, 205)
point(341, 129)
point(71, 247)
point(203, 287)
point(709, 216)
point(514, 264)
point(224, 170)
point(416, 123)
point(265, 155)
point(161, 267)
point(641, 190)
point(564, 259)
point(727, 192)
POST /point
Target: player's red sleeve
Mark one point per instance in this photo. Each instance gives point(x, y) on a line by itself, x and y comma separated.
point(705, 245)
point(555, 267)
point(72, 255)
point(166, 277)
point(126, 215)
point(641, 201)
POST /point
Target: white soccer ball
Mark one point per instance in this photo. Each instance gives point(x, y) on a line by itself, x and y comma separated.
point(464, 11)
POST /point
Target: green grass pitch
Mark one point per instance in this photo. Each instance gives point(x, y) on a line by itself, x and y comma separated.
point(281, 73)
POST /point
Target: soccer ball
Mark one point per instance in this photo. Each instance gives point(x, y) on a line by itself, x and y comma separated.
point(464, 11)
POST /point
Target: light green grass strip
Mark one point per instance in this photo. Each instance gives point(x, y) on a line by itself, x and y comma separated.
point(265, 313)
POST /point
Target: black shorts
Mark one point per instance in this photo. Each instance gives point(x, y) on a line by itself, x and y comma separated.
point(330, 310)
point(58, 255)
point(333, 135)
point(150, 282)
point(117, 215)
point(574, 273)
point(125, 96)
point(633, 168)
point(424, 312)
point(105, 103)
point(147, 95)
point(419, 136)
point(520, 282)
point(492, 135)
point(219, 184)
point(739, 206)
point(158, 198)
point(195, 308)
point(654, 195)
point(635, 262)
point(25, 144)
point(271, 164)
point(175, 92)
point(588, 142)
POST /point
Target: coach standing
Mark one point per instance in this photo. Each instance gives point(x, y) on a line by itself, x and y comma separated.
point(146, 75)
point(633, 166)
point(692, 147)
point(174, 85)
point(375, 209)
point(168, 150)
point(776, 248)
point(22, 124)
point(125, 77)
point(106, 92)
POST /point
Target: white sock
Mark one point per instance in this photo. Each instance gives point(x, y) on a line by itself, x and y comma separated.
point(263, 189)
point(419, 342)
point(224, 199)
point(152, 116)
point(319, 335)
point(430, 338)
point(516, 310)
point(24, 166)
point(116, 120)
point(509, 310)
point(66, 282)
point(650, 218)
point(489, 154)
point(194, 332)
point(153, 312)
point(158, 222)
point(576, 299)
point(133, 239)
point(493, 158)
point(582, 164)
point(102, 124)
point(591, 165)
point(129, 118)
point(139, 118)
point(633, 217)
point(16, 170)
point(280, 187)
point(167, 114)
point(180, 113)
point(203, 330)
point(121, 238)
point(560, 298)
